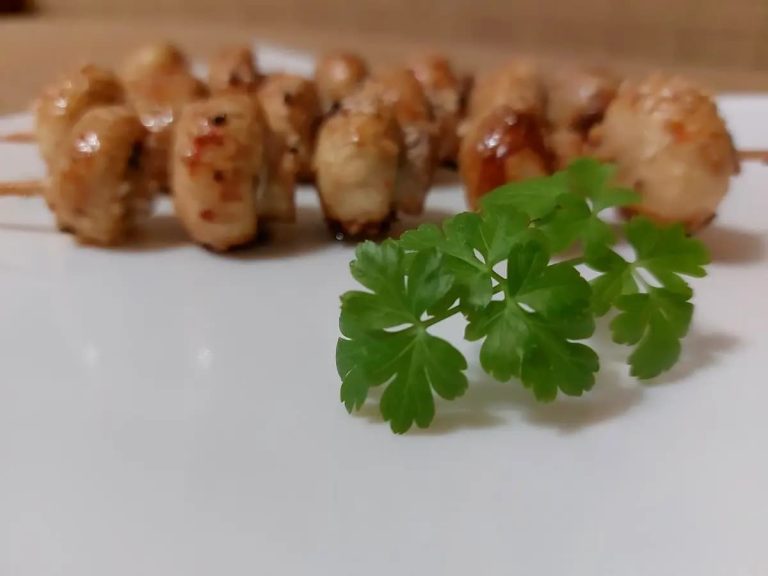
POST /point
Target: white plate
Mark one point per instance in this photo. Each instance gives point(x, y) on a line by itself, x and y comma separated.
point(167, 411)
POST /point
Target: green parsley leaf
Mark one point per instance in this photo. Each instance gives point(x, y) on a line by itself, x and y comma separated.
point(616, 280)
point(652, 318)
point(530, 322)
point(528, 335)
point(654, 321)
point(412, 363)
point(664, 252)
point(409, 360)
point(667, 253)
point(592, 180)
point(537, 197)
point(456, 242)
point(566, 205)
point(565, 225)
point(577, 215)
point(471, 245)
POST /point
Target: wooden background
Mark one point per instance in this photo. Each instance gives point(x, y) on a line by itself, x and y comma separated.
point(720, 42)
point(714, 32)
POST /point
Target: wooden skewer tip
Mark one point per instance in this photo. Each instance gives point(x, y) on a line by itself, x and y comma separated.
point(18, 138)
point(21, 188)
point(756, 155)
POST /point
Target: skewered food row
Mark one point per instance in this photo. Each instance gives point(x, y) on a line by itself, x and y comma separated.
point(231, 151)
point(664, 134)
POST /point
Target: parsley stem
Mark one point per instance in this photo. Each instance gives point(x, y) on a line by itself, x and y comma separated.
point(440, 317)
point(453, 310)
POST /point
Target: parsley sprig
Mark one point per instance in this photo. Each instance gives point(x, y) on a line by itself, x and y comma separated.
point(530, 311)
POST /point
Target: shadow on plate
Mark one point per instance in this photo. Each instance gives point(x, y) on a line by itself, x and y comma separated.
point(732, 246)
point(431, 215)
point(159, 232)
point(726, 245)
point(489, 404)
point(308, 234)
point(700, 351)
point(29, 228)
point(447, 177)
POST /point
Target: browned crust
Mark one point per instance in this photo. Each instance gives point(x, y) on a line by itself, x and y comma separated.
point(355, 230)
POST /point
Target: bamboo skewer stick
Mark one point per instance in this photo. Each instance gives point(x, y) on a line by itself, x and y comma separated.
point(18, 138)
point(753, 155)
point(22, 188)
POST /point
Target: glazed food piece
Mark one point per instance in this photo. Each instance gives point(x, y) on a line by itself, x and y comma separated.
point(671, 145)
point(98, 188)
point(63, 103)
point(398, 92)
point(233, 68)
point(152, 59)
point(577, 99)
point(356, 164)
point(445, 91)
point(337, 76)
point(503, 146)
point(518, 84)
point(158, 84)
point(567, 146)
point(292, 111)
point(218, 165)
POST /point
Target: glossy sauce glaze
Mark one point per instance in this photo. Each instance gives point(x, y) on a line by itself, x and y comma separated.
point(503, 146)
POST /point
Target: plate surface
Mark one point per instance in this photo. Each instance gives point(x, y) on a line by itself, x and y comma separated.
point(167, 411)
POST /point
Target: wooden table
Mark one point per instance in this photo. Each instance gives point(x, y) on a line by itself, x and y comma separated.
point(33, 50)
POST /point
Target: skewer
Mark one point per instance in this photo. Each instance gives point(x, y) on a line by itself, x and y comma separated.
point(26, 188)
point(19, 138)
point(97, 192)
point(753, 155)
point(395, 125)
point(749, 155)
